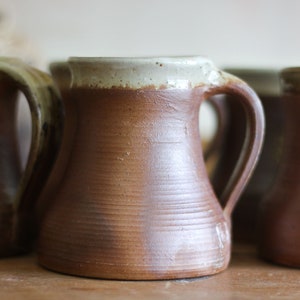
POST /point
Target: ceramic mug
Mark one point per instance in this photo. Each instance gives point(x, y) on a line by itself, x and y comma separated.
point(279, 222)
point(133, 199)
point(19, 192)
point(265, 83)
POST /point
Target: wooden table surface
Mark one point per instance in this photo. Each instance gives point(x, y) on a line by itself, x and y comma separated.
point(246, 278)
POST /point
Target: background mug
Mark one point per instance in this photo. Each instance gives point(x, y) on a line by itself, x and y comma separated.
point(279, 223)
point(19, 192)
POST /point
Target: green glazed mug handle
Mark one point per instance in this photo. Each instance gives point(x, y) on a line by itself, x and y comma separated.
point(47, 123)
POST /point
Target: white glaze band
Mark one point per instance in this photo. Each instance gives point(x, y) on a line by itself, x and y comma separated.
point(152, 72)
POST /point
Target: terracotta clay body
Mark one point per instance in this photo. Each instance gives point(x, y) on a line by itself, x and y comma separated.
point(135, 201)
point(279, 222)
point(266, 85)
point(19, 192)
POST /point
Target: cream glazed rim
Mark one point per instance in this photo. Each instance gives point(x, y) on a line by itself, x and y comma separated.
point(178, 72)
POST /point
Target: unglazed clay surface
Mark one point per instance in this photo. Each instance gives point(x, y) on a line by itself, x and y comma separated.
point(135, 201)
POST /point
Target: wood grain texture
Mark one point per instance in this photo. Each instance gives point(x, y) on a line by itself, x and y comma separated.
point(247, 277)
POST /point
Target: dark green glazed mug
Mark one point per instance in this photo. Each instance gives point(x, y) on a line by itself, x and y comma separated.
point(20, 190)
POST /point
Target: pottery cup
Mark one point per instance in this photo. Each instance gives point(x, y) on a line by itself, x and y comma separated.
point(131, 198)
point(19, 190)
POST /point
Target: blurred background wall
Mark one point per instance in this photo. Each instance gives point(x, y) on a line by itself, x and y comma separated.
point(233, 33)
point(230, 32)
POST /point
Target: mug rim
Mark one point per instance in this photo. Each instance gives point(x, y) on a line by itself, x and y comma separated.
point(189, 59)
point(292, 70)
point(157, 72)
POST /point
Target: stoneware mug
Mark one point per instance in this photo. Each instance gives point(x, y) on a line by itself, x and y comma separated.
point(265, 83)
point(279, 222)
point(19, 192)
point(134, 200)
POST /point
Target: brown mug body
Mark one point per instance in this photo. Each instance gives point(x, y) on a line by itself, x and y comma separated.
point(266, 84)
point(134, 200)
point(279, 222)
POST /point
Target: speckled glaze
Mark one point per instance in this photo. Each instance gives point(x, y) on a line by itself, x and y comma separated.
point(135, 201)
point(266, 84)
point(18, 193)
point(279, 222)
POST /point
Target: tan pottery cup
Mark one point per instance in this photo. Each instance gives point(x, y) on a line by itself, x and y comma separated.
point(133, 199)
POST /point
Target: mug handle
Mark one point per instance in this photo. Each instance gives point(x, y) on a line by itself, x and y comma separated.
point(47, 123)
point(254, 136)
